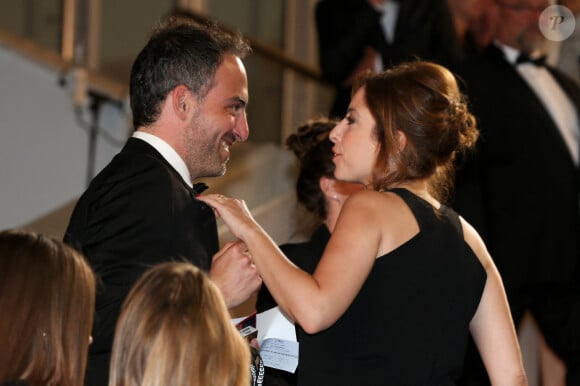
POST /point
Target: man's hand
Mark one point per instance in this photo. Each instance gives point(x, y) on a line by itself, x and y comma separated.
point(366, 63)
point(234, 273)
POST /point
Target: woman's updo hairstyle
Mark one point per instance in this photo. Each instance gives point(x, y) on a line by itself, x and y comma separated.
point(313, 149)
point(422, 100)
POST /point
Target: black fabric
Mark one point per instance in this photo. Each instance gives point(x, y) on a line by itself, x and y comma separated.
point(409, 324)
point(199, 188)
point(345, 28)
point(305, 255)
point(525, 58)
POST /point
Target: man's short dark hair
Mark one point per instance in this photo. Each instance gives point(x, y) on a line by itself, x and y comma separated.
point(178, 52)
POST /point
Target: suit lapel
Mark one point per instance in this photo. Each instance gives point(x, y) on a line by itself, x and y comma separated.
point(518, 86)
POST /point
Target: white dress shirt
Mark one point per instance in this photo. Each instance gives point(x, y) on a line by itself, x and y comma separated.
point(555, 100)
point(167, 152)
point(389, 11)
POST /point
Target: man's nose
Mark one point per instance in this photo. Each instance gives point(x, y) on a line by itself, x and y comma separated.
point(242, 131)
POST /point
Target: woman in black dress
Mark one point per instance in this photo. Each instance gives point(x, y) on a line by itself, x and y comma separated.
point(403, 279)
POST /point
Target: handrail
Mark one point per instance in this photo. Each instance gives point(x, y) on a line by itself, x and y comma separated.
point(269, 52)
point(117, 91)
point(95, 80)
point(34, 51)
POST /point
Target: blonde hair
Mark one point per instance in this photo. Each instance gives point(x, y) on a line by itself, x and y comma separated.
point(175, 330)
point(47, 300)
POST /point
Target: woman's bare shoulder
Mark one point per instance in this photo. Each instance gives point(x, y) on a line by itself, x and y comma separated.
point(475, 242)
point(383, 214)
point(371, 198)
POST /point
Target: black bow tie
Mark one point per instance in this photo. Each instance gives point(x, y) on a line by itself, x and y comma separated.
point(199, 188)
point(525, 58)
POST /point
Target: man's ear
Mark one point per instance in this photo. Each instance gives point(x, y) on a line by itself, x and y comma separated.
point(181, 101)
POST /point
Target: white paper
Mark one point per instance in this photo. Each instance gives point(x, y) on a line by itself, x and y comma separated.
point(277, 339)
point(280, 354)
point(273, 323)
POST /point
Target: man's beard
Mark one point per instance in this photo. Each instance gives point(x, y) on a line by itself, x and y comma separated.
point(202, 152)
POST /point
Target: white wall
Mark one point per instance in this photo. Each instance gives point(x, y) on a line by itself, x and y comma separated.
point(43, 149)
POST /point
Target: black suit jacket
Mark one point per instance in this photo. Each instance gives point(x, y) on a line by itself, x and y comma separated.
point(424, 29)
point(521, 189)
point(137, 212)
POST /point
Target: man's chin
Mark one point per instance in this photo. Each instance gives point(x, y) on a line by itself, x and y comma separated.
point(218, 172)
point(223, 170)
point(534, 41)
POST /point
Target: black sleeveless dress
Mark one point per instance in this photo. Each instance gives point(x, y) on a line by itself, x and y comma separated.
point(409, 325)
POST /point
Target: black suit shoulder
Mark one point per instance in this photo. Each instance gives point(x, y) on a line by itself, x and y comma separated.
point(139, 211)
point(520, 187)
point(425, 30)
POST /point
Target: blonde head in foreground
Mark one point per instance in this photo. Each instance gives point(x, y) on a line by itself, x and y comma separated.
point(175, 330)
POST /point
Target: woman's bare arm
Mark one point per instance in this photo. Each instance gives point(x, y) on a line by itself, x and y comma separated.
point(314, 301)
point(492, 327)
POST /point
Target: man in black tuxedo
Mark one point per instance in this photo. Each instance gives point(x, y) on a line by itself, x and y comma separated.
point(358, 35)
point(188, 97)
point(520, 190)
